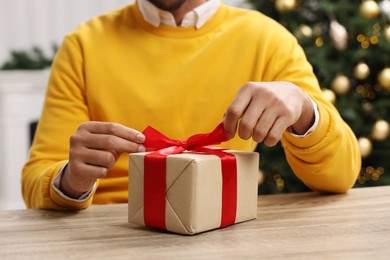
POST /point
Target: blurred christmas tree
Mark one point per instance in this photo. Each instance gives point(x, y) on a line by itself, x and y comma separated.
point(34, 59)
point(348, 44)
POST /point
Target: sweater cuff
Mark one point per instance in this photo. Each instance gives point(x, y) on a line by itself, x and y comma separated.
point(315, 124)
point(62, 199)
point(314, 137)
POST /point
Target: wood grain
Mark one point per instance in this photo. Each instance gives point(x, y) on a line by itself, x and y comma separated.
point(355, 225)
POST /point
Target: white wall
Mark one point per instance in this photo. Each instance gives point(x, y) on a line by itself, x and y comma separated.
point(24, 23)
point(21, 97)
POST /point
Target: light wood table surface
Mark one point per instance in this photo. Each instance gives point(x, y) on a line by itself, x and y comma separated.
point(355, 225)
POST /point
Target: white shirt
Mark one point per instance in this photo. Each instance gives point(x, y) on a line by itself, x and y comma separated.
point(156, 17)
point(197, 17)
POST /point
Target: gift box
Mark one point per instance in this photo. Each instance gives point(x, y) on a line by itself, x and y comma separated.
point(195, 192)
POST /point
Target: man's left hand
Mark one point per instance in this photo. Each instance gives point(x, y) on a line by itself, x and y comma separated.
point(264, 110)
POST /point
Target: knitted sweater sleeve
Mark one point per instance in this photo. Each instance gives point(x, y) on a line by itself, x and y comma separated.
point(64, 109)
point(327, 159)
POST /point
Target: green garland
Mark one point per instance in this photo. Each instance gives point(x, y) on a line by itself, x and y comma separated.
point(34, 59)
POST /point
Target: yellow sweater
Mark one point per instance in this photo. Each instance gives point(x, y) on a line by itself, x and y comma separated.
point(119, 68)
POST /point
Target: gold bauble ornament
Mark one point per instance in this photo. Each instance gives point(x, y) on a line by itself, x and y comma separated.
point(381, 130)
point(386, 33)
point(329, 95)
point(369, 9)
point(341, 84)
point(305, 30)
point(384, 78)
point(367, 107)
point(365, 146)
point(362, 71)
point(285, 6)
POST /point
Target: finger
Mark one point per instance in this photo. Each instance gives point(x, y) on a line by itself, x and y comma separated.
point(94, 157)
point(111, 142)
point(264, 125)
point(100, 141)
point(235, 110)
point(249, 119)
point(275, 133)
point(116, 129)
point(87, 172)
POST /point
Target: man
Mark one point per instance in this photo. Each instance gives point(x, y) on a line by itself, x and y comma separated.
point(180, 66)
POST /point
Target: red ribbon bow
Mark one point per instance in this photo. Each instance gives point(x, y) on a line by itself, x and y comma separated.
point(155, 172)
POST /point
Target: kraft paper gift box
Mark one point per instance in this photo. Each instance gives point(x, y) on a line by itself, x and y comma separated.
point(193, 201)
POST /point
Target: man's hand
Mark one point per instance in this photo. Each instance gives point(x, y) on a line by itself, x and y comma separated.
point(264, 110)
point(94, 148)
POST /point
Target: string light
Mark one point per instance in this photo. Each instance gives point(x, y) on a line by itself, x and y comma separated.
point(361, 38)
point(370, 173)
point(374, 40)
point(365, 44)
point(280, 184)
point(319, 42)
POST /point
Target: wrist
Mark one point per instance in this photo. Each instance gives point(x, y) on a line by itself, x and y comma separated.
point(68, 186)
point(306, 119)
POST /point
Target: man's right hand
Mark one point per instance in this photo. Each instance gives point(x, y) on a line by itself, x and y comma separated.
point(94, 149)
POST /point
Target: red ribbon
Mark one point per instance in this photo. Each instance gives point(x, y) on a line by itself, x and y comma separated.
point(155, 172)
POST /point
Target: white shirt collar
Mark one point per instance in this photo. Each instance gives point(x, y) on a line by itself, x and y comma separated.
point(197, 17)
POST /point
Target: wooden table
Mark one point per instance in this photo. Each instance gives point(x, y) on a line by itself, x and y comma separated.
point(301, 226)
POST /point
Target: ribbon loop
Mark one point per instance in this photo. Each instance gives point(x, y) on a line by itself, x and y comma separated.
point(157, 141)
point(185, 145)
point(155, 172)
